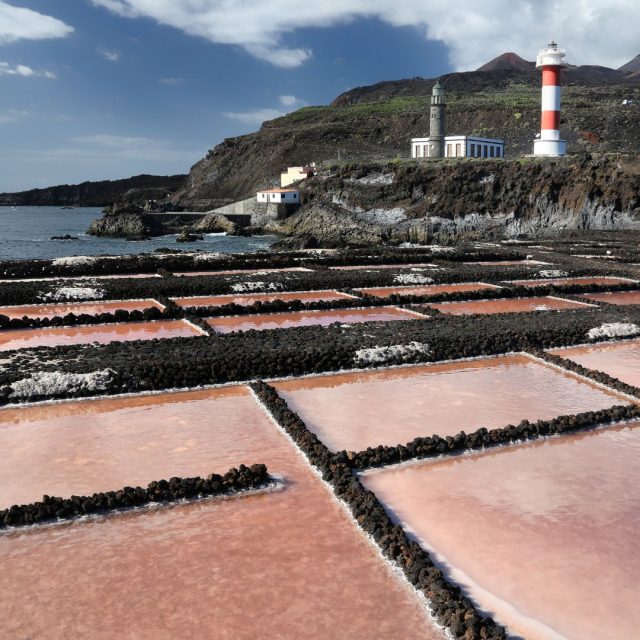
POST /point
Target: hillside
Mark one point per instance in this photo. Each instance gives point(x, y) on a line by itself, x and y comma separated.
point(97, 194)
point(507, 60)
point(377, 122)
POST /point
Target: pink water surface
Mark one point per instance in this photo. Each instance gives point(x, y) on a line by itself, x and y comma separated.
point(102, 334)
point(232, 272)
point(308, 318)
point(617, 297)
point(619, 359)
point(507, 263)
point(115, 276)
point(251, 298)
point(427, 290)
point(543, 536)
point(507, 305)
point(375, 267)
point(354, 411)
point(83, 447)
point(90, 308)
point(561, 282)
point(286, 565)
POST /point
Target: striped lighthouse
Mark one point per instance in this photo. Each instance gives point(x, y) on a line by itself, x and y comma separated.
point(550, 60)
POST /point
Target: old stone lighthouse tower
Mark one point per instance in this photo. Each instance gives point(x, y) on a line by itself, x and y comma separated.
point(437, 122)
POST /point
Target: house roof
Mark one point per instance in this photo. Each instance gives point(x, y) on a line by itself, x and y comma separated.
point(279, 191)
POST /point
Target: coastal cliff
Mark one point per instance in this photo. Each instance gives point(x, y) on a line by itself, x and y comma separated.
point(450, 200)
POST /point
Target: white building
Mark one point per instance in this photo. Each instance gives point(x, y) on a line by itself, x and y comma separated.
point(461, 147)
point(293, 174)
point(279, 196)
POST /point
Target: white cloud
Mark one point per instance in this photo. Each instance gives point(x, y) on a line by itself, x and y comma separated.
point(18, 23)
point(111, 56)
point(25, 71)
point(14, 115)
point(593, 31)
point(289, 101)
point(125, 147)
point(254, 117)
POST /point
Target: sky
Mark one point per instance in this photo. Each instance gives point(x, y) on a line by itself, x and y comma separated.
point(106, 89)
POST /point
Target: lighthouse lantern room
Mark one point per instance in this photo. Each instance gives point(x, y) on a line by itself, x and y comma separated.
point(550, 60)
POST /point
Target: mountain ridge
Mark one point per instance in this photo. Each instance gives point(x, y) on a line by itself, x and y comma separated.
point(100, 193)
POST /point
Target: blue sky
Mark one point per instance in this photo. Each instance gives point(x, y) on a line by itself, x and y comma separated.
point(103, 89)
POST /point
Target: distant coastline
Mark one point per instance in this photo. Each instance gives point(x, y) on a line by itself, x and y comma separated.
point(96, 194)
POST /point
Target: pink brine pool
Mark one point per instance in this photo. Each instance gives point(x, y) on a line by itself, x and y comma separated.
point(508, 263)
point(617, 297)
point(310, 318)
point(288, 564)
point(102, 334)
point(542, 536)
point(619, 359)
point(77, 308)
point(251, 298)
point(376, 267)
point(97, 445)
point(427, 290)
point(507, 305)
point(353, 411)
point(565, 282)
point(116, 276)
point(234, 272)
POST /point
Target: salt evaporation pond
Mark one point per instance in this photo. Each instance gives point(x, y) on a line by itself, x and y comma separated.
point(618, 359)
point(252, 298)
point(565, 282)
point(246, 272)
point(616, 297)
point(543, 536)
point(354, 411)
point(77, 308)
point(310, 318)
point(507, 305)
point(98, 445)
point(116, 276)
point(508, 263)
point(376, 267)
point(427, 290)
point(102, 334)
point(288, 564)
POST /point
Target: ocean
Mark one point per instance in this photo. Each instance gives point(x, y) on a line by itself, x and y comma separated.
point(25, 233)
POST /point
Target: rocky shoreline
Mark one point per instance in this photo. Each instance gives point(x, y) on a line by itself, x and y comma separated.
point(424, 202)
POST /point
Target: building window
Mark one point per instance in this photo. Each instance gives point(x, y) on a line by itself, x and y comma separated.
point(498, 152)
point(491, 151)
point(449, 151)
point(425, 151)
point(473, 150)
point(458, 150)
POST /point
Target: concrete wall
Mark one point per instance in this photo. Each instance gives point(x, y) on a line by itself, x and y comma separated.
point(249, 212)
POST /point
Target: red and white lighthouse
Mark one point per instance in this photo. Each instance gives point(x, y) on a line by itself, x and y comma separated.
point(550, 60)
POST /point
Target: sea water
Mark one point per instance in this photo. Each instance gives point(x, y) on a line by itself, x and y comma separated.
point(26, 235)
